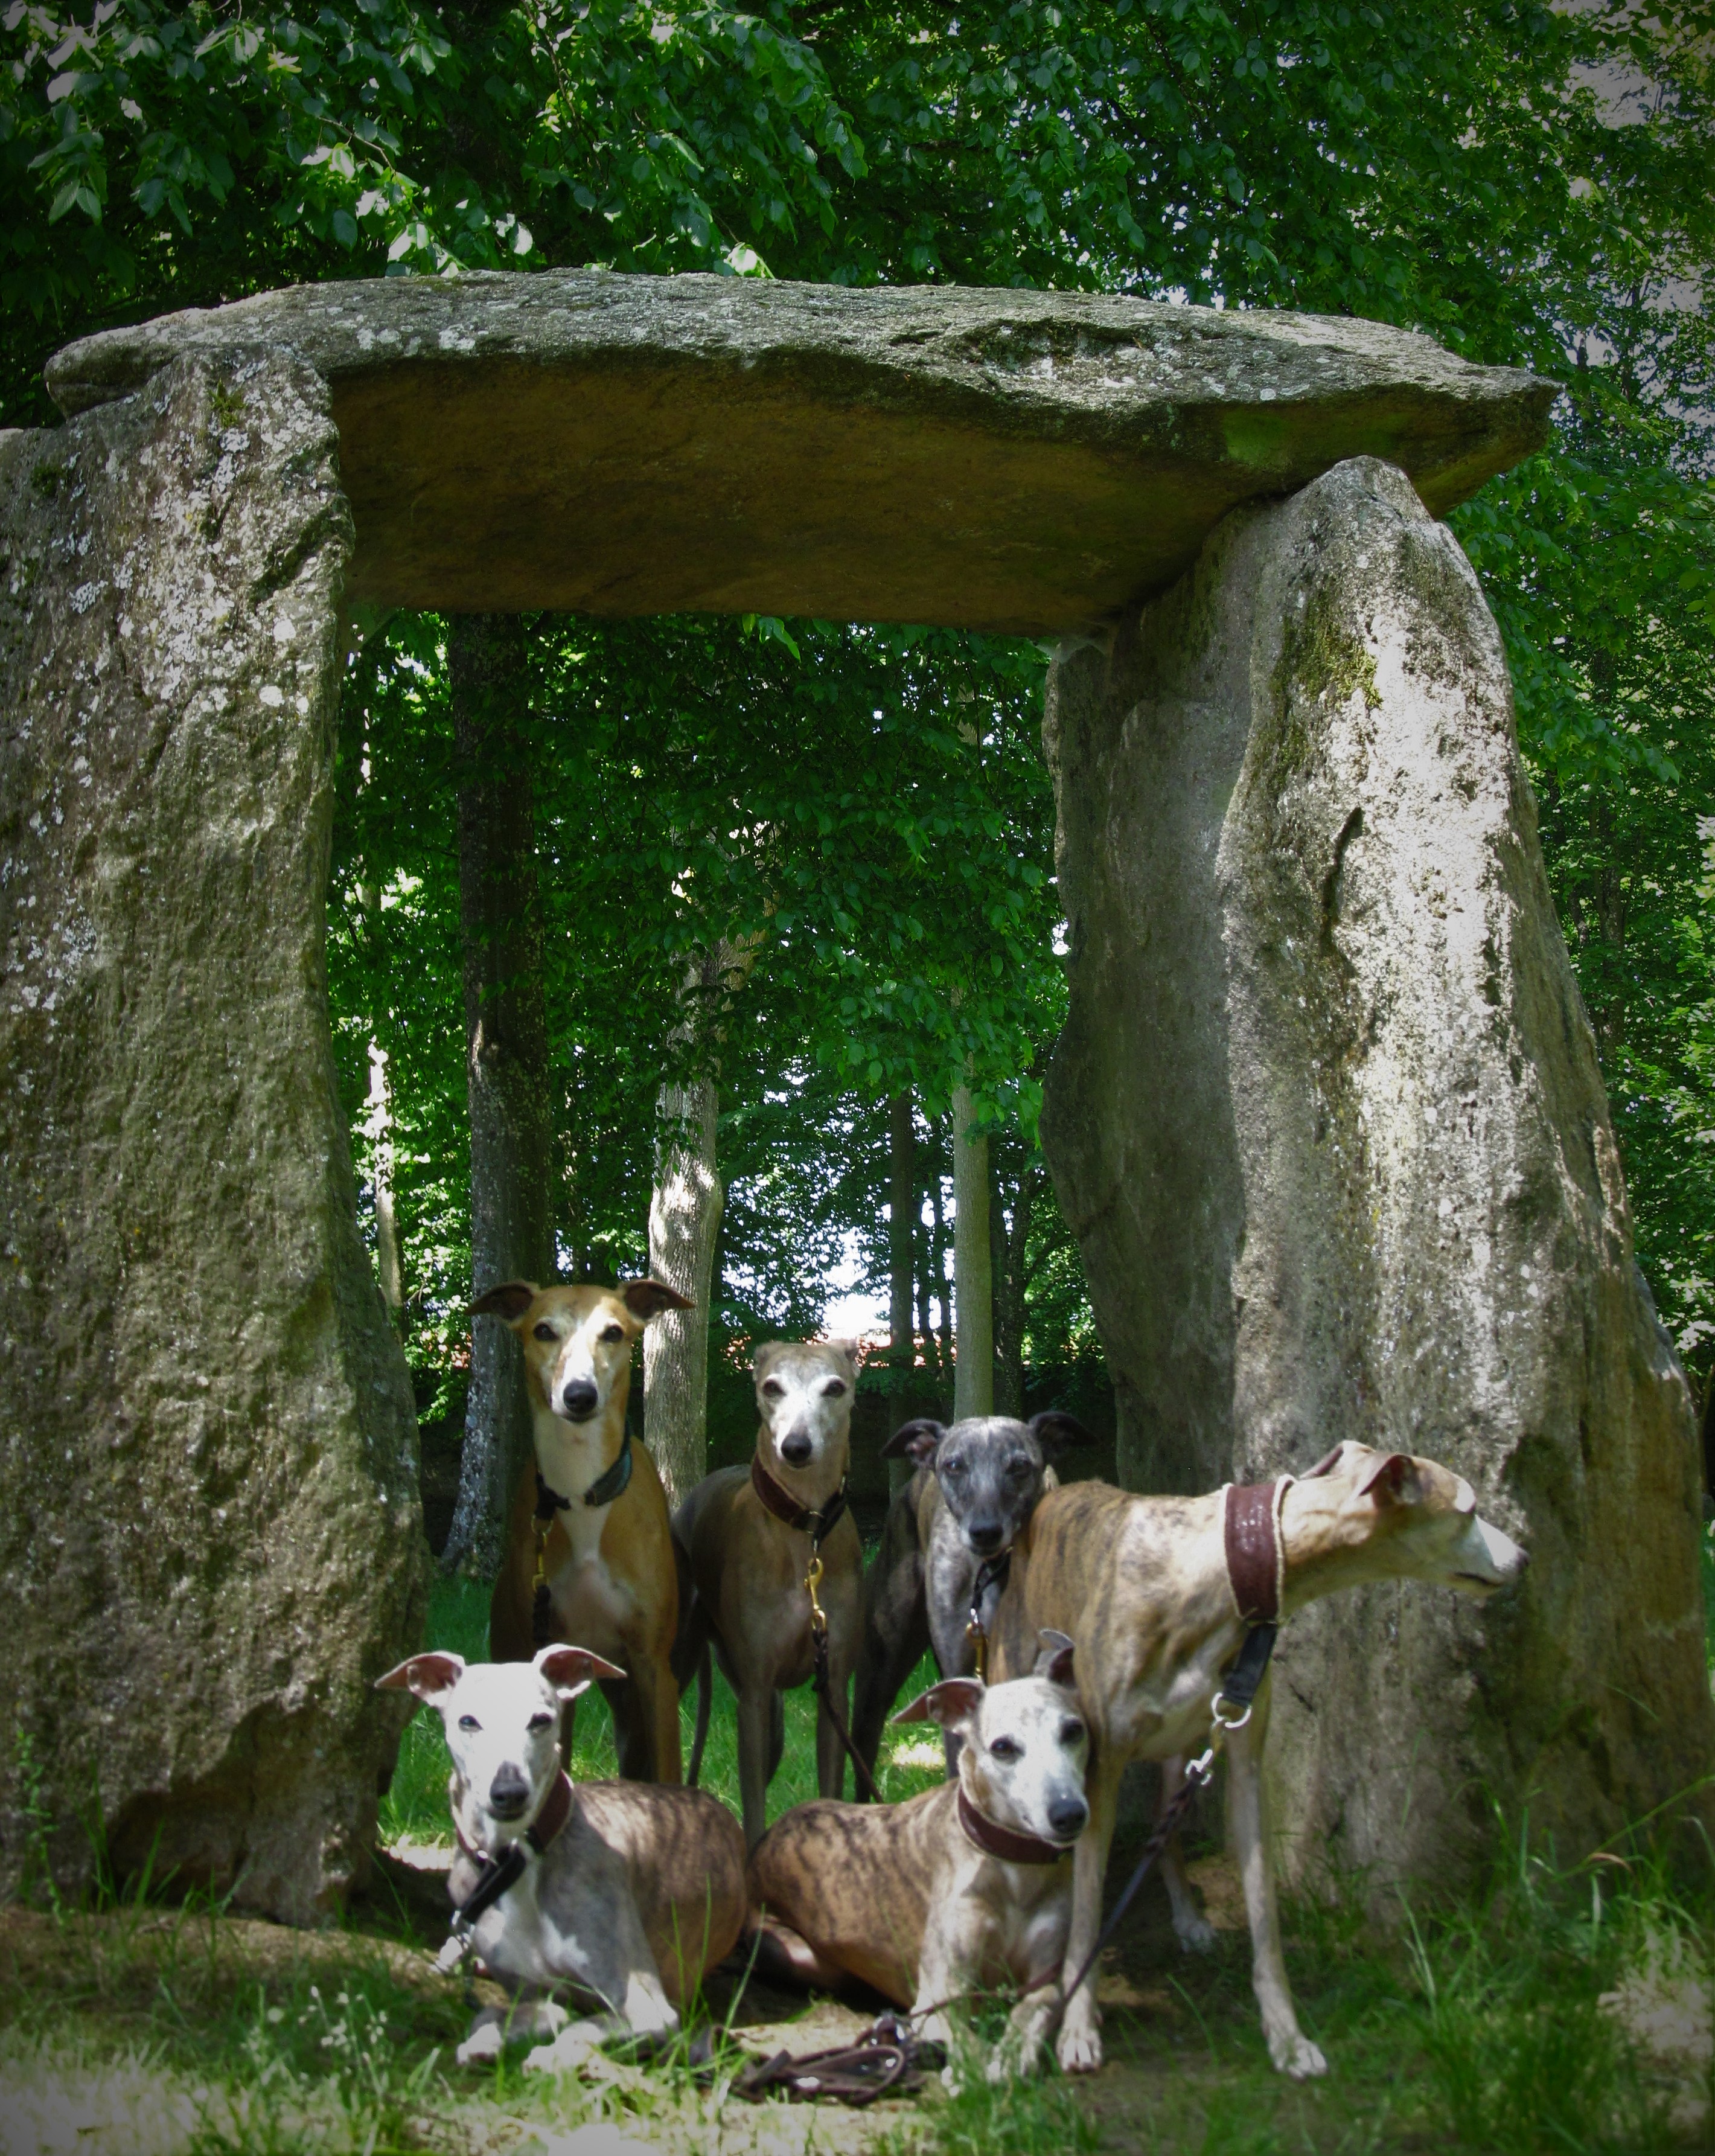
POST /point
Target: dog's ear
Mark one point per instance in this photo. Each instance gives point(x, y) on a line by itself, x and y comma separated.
point(914, 1440)
point(1054, 1659)
point(951, 1701)
point(571, 1669)
point(1326, 1465)
point(509, 1301)
point(648, 1298)
point(1392, 1478)
point(852, 1351)
point(428, 1676)
point(1056, 1432)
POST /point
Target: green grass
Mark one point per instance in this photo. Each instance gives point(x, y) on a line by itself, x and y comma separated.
point(1477, 2026)
point(416, 1802)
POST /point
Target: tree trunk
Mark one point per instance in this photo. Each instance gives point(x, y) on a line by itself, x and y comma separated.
point(1006, 1240)
point(902, 1209)
point(684, 1219)
point(972, 1270)
point(506, 1060)
point(937, 1253)
point(389, 1262)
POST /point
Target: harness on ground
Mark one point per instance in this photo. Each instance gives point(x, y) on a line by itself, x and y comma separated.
point(818, 1526)
point(611, 1483)
point(496, 1875)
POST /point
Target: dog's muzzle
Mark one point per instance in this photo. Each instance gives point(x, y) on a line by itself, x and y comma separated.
point(509, 1794)
point(1068, 1818)
point(579, 1400)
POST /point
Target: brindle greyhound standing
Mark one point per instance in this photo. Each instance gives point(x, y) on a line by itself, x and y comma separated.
point(1161, 1594)
point(590, 1549)
point(944, 1553)
point(750, 1535)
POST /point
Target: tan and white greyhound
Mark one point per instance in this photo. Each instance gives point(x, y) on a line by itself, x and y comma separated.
point(589, 1547)
point(1159, 1596)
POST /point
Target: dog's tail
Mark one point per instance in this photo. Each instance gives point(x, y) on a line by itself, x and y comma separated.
point(705, 1689)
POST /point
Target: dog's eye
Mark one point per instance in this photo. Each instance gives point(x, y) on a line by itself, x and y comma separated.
point(540, 1721)
point(773, 1390)
point(953, 1467)
point(833, 1392)
point(1018, 1470)
point(1006, 1748)
point(469, 1721)
point(613, 1332)
point(545, 1332)
point(1071, 1732)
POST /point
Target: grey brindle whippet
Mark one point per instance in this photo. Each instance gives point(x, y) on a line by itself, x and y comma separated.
point(943, 1551)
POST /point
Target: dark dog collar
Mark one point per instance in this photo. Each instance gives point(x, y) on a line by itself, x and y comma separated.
point(818, 1526)
point(611, 1483)
point(495, 1874)
point(994, 1840)
point(1256, 1573)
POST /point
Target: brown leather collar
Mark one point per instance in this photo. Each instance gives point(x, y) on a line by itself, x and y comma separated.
point(1256, 1550)
point(544, 1830)
point(818, 1526)
point(994, 1840)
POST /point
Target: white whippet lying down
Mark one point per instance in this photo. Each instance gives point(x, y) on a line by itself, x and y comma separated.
point(951, 1893)
point(621, 1893)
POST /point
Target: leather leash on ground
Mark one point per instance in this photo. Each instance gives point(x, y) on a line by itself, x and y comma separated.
point(887, 2060)
point(818, 1526)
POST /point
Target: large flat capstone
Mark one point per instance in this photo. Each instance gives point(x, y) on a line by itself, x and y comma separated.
point(1024, 462)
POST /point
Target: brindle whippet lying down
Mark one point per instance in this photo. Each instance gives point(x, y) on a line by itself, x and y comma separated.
point(1156, 1593)
point(614, 1891)
point(589, 1516)
point(952, 1892)
point(749, 1534)
point(943, 1558)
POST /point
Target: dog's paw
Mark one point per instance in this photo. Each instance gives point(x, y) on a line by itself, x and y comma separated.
point(1295, 2055)
point(569, 2051)
point(1079, 2049)
point(1194, 1932)
point(483, 2045)
point(953, 2079)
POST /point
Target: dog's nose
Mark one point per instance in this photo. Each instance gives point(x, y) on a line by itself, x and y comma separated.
point(1068, 1816)
point(795, 1448)
point(984, 1538)
point(578, 1398)
point(508, 1793)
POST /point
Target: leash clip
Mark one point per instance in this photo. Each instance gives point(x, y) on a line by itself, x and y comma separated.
point(1227, 1722)
point(812, 1581)
point(978, 1641)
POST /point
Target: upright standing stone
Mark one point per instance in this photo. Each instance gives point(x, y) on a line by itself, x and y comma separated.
point(211, 1541)
point(1328, 1121)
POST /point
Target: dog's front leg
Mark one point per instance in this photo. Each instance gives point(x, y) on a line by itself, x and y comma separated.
point(1290, 2050)
point(830, 1751)
point(658, 1713)
point(947, 1970)
point(755, 1701)
point(1079, 2049)
point(530, 2016)
point(1191, 1928)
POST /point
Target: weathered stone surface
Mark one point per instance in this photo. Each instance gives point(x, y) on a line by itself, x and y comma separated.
point(211, 1541)
point(1328, 1121)
point(1022, 461)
